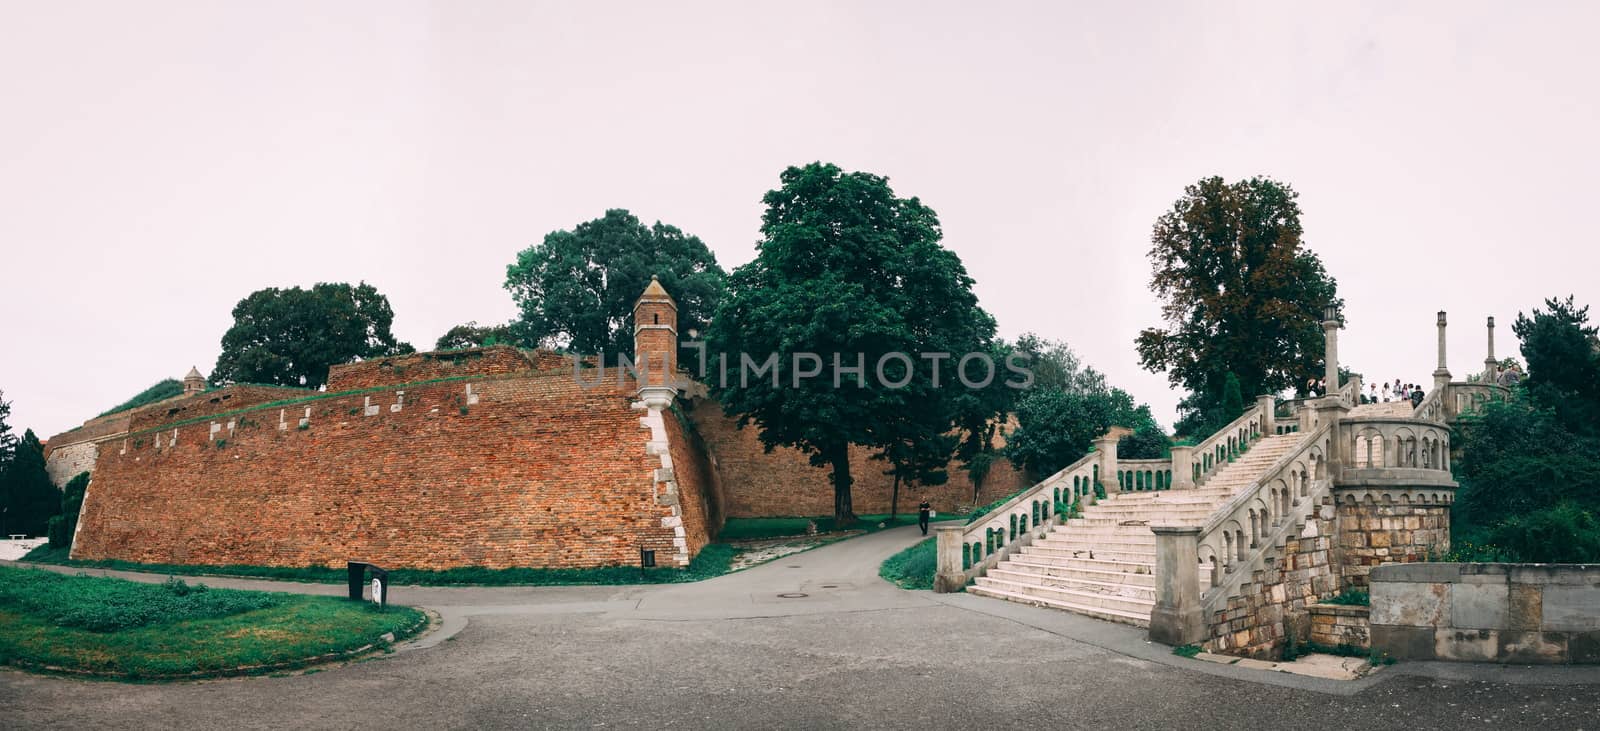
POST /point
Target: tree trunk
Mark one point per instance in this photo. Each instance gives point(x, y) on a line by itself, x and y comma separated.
point(844, 513)
point(894, 500)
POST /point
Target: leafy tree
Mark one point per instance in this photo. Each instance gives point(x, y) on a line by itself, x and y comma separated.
point(27, 499)
point(1239, 293)
point(63, 525)
point(916, 460)
point(1056, 428)
point(1055, 365)
point(1563, 362)
point(471, 335)
point(846, 269)
point(8, 441)
point(290, 337)
point(576, 289)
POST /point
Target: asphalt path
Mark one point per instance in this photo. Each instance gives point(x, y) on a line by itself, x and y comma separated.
point(811, 640)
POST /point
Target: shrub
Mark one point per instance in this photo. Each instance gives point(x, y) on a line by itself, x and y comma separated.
point(1351, 598)
point(1561, 534)
point(912, 568)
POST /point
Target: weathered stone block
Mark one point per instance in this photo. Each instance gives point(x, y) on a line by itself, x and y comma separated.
point(1470, 645)
point(1571, 608)
point(1404, 643)
point(1478, 606)
point(1411, 604)
point(1525, 607)
point(1583, 647)
point(1543, 648)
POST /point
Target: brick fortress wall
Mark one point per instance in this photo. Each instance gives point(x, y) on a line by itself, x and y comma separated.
point(499, 471)
point(783, 483)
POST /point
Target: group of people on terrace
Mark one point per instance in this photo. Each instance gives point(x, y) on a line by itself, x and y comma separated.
point(1398, 392)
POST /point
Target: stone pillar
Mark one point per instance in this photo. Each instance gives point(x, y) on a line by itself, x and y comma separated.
point(1106, 448)
point(1177, 618)
point(1441, 375)
point(1491, 367)
point(1183, 468)
point(950, 577)
point(1333, 411)
point(1330, 348)
point(1269, 414)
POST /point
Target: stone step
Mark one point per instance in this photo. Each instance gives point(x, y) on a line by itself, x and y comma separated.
point(1138, 541)
point(1085, 564)
point(1126, 606)
point(1072, 570)
point(1133, 618)
point(1128, 556)
point(1124, 590)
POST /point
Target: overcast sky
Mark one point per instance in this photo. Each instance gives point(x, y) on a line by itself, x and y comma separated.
point(159, 161)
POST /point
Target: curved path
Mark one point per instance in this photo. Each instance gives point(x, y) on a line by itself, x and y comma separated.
point(731, 652)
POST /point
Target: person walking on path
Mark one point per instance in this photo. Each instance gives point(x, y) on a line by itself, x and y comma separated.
point(924, 511)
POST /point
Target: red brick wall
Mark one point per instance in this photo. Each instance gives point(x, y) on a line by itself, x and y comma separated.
point(783, 483)
point(401, 369)
point(699, 492)
point(539, 472)
point(228, 398)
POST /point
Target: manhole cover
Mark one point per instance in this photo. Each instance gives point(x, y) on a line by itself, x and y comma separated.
point(793, 567)
point(793, 595)
point(830, 586)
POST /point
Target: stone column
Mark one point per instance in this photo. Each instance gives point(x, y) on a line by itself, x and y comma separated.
point(1441, 375)
point(1106, 447)
point(1491, 367)
point(1269, 414)
point(1177, 618)
point(947, 548)
point(1183, 468)
point(1330, 348)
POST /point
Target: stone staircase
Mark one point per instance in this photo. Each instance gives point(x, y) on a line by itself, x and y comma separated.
point(1102, 564)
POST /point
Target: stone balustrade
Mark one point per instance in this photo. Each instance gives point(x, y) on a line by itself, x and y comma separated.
point(1231, 441)
point(965, 552)
point(1394, 451)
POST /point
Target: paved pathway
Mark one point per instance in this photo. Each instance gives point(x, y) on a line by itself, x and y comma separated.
point(853, 652)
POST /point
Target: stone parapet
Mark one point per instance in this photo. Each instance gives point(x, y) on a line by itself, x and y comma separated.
point(1509, 613)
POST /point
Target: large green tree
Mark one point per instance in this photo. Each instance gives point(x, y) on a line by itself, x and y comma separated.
point(27, 499)
point(1239, 292)
point(1056, 427)
point(576, 289)
point(290, 337)
point(846, 269)
point(1563, 357)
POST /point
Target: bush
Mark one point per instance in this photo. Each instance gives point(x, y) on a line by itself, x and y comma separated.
point(1352, 598)
point(912, 568)
point(61, 527)
point(1562, 534)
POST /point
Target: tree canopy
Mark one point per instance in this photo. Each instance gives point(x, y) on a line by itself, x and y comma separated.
point(1239, 293)
point(27, 499)
point(848, 271)
point(576, 289)
point(471, 335)
point(289, 337)
point(1529, 466)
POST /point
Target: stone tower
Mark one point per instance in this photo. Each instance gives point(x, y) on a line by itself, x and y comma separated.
point(655, 345)
point(193, 382)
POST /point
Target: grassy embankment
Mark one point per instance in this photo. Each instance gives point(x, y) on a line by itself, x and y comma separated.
point(127, 630)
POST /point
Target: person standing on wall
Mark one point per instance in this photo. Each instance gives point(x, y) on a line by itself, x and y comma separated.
point(924, 511)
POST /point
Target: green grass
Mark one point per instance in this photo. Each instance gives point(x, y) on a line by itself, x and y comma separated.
point(713, 560)
point(134, 631)
point(742, 529)
point(164, 389)
point(912, 568)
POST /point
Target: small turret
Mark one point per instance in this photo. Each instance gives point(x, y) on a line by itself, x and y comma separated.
point(194, 382)
point(655, 344)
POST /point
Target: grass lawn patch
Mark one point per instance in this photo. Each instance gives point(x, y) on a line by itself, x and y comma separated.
point(713, 560)
point(128, 630)
point(912, 568)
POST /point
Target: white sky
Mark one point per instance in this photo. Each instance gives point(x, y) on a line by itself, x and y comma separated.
point(161, 160)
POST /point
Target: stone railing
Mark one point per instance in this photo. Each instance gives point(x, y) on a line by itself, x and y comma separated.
point(966, 552)
point(1237, 539)
point(1228, 443)
point(1465, 398)
point(1432, 408)
point(1144, 474)
point(1388, 450)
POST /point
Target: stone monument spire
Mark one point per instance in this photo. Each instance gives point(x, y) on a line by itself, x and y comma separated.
point(193, 382)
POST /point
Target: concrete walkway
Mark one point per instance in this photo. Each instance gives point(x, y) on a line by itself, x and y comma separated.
point(734, 652)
